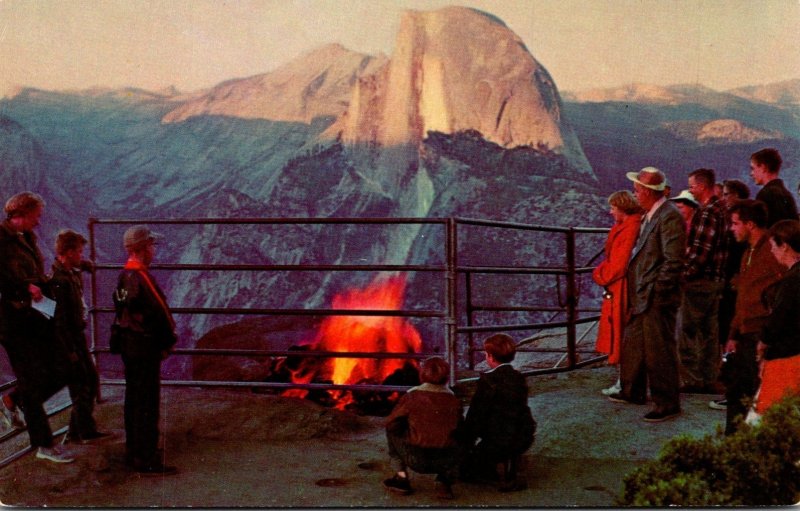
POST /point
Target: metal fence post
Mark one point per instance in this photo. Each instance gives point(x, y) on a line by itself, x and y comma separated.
point(451, 248)
point(469, 312)
point(95, 327)
point(572, 300)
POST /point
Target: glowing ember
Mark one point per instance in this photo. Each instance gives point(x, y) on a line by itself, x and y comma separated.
point(371, 334)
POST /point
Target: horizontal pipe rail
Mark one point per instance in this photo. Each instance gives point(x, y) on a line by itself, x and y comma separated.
point(531, 227)
point(269, 221)
point(547, 370)
point(516, 270)
point(282, 267)
point(296, 312)
point(273, 385)
point(524, 326)
point(542, 350)
point(510, 225)
point(291, 353)
point(490, 308)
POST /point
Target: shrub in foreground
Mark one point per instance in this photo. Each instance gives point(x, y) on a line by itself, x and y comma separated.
point(756, 466)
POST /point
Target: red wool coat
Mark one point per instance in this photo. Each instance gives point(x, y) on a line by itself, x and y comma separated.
point(611, 274)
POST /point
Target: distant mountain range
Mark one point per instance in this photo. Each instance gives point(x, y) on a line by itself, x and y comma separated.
point(786, 93)
point(475, 129)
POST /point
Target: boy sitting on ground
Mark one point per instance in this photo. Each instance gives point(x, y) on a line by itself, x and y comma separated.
point(499, 417)
point(421, 431)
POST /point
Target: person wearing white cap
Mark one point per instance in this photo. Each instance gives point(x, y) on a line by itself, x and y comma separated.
point(147, 335)
point(687, 205)
point(649, 349)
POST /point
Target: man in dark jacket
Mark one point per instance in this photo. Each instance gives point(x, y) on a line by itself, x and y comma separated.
point(70, 317)
point(759, 270)
point(764, 168)
point(38, 361)
point(147, 331)
point(499, 416)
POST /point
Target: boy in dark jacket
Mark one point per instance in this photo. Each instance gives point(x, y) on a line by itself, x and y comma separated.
point(499, 417)
point(70, 316)
point(421, 431)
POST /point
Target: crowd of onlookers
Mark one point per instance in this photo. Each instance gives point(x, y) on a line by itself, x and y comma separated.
point(700, 296)
point(700, 292)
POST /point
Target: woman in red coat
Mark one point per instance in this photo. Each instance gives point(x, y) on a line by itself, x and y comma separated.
point(611, 274)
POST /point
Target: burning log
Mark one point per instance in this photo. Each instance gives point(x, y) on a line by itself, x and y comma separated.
point(358, 334)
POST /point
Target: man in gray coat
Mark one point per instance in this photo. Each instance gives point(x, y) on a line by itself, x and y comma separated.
point(649, 348)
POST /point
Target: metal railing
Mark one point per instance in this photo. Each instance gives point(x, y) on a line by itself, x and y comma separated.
point(449, 269)
point(568, 306)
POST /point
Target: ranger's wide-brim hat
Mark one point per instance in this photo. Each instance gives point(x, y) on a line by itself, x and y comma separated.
point(649, 177)
point(139, 234)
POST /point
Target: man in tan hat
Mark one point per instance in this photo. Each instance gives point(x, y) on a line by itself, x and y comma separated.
point(147, 335)
point(649, 350)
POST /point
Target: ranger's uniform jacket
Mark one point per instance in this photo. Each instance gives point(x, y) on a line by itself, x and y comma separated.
point(142, 313)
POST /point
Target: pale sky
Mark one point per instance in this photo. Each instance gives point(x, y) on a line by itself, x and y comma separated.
point(194, 44)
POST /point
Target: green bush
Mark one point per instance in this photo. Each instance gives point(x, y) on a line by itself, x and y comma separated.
point(756, 466)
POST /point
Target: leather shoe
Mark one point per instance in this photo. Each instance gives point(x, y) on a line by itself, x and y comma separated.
point(661, 415)
point(617, 397)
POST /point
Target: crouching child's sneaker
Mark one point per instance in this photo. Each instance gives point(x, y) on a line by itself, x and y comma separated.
point(54, 454)
point(398, 484)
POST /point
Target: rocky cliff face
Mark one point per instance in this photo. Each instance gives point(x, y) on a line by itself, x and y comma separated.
point(458, 69)
point(21, 160)
point(317, 84)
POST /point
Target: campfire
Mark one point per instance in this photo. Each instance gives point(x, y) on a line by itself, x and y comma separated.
point(374, 334)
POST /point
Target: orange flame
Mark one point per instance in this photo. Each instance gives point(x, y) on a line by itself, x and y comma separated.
point(372, 334)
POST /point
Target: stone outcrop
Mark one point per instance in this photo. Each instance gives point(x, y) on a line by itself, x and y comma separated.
point(457, 69)
point(720, 131)
point(317, 84)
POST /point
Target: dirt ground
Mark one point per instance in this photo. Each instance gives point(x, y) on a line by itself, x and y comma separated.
point(240, 449)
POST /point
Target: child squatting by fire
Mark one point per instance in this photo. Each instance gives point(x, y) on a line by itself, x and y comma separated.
point(426, 431)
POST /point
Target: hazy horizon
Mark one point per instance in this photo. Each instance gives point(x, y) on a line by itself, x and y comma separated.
point(196, 44)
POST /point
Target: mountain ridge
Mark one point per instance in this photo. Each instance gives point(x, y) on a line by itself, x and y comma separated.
point(316, 84)
point(784, 93)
